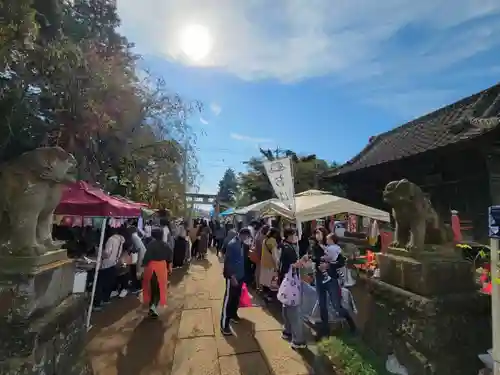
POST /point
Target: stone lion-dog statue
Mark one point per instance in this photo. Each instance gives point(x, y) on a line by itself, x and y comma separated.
point(30, 190)
point(417, 222)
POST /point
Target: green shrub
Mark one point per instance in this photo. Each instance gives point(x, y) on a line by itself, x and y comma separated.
point(351, 356)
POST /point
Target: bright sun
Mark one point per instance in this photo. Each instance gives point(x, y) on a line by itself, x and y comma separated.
point(196, 42)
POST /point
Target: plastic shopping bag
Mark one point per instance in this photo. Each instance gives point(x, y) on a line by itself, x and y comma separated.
point(289, 293)
point(245, 299)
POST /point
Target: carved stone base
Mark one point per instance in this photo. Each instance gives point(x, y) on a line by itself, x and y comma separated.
point(12, 265)
point(42, 325)
point(52, 344)
point(439, 336)
point(431, 252)
point(26, 295)
point(429, 275)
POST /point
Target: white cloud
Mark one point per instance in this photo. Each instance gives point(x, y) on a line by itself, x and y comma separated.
point(297, 39)
point(413, 103)
point(215, 108)
point(246, 138)
point(203, 121)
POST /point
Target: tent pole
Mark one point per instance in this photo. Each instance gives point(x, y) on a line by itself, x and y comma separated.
point(96, 273)
point(298, 224)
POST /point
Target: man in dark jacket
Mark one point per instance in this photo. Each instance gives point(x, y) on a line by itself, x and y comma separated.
point(234, 273)
point(230, 234)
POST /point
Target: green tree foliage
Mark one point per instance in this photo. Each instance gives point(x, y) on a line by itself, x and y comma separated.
point(228, 187)
point(68, 78)
point(308, 174)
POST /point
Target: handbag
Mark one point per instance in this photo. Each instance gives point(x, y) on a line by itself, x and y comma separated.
point(289, 293)
point(253, 255)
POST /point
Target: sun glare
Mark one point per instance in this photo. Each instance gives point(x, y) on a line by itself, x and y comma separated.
point(196, 42)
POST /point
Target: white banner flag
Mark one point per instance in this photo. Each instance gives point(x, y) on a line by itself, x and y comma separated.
point(280, 175)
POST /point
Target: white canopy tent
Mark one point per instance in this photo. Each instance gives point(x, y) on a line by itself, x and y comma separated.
point(260, 206)
point(315, 204)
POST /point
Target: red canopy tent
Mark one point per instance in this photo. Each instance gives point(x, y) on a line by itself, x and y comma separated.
point(126, 200)
point(82, 199)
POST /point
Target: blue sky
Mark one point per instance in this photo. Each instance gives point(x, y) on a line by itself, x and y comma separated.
point(316, 76)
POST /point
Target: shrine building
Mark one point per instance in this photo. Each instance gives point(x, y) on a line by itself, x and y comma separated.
point(453, 154)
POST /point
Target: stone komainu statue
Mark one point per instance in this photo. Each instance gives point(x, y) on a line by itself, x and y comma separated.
point(417, 222)
point(30, 190)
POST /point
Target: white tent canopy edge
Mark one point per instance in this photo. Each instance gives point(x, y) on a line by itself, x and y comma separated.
point(314, 204)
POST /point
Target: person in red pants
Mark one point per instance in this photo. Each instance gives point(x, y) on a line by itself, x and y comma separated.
point(157, 265)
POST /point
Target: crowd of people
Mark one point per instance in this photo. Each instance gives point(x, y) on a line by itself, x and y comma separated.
point(260, 257)
point(140, 260)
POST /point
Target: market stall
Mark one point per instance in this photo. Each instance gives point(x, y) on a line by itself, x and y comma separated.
point(146, 212)
point(314, 204)
point(84, 200)
point(261, 206)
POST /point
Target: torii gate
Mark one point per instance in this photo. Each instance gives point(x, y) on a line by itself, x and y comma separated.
point(196, 198)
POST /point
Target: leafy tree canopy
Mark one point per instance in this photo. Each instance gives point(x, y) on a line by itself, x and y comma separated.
point(228, 187)
point(308, 170)
point(68, 78)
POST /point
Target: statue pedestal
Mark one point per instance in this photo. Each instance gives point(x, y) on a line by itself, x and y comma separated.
point(42, 325)
point(427, 274)
point(428, 313)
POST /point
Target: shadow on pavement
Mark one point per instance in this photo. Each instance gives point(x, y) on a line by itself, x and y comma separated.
point(142, 348)
point(112, 313)
point(205, 263)
point(178, 275)
point(310, 355)
point(245, 330)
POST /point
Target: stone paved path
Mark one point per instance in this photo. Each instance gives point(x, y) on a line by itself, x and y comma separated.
point(186, 339)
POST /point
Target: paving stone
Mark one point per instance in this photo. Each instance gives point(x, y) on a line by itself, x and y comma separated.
point(217, 291)
point(197, 301)
point(164, 358)
point(141, 346)
point(196, 356)
point(282, 359)
point(263, 320)
point(193, 287)
point(242, 342)
point(216, 312)
point(243, 364)
point(127, 343)
point(196, 323)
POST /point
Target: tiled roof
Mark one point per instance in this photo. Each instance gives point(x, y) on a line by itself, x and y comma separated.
point(463, 120)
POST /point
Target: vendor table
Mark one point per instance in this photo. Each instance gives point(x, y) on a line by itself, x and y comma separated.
point(310, 306)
